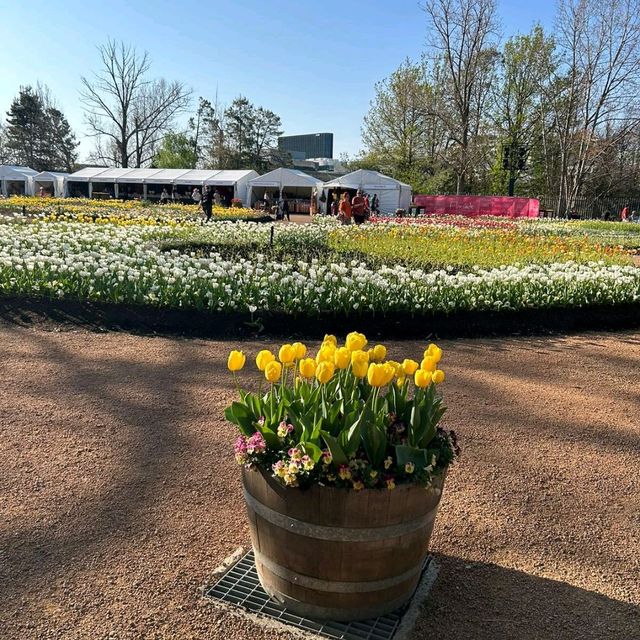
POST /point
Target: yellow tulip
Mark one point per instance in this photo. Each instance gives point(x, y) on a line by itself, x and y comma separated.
point(325, 354)
point(380, 375)
point(428, 364)
point(301, 350)
point(342, 358)
point(400, 382)
point(263, 358)
point(273, 371)
point(422, 378)
point(409, 366)
point(356, 341)
point(438, 376)
point(359, 356)
point(307, 367)
point(236, 360)
point(379, 353)
point(359, 369)
point(388, 373)
point(287, 354)
point(397, 367)
point(325, 371)
point(330, 338)
point(433, 351)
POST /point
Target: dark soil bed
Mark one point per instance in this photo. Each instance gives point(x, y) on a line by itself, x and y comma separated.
point(207, 324)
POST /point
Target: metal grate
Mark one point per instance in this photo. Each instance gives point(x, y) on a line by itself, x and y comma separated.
point(240, 586)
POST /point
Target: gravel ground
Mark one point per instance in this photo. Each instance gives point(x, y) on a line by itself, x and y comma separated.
point(119, 497)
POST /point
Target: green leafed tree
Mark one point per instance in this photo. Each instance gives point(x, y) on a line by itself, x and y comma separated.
point(176, 151)
point(518, 103)
point(37, 132)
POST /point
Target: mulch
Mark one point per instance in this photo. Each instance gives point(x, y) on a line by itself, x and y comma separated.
point(119, 495)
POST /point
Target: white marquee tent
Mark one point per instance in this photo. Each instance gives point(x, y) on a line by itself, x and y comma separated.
point(392, 193)
point(15, 180)
point(52, 181)
point(290, 181)
point(149, 182)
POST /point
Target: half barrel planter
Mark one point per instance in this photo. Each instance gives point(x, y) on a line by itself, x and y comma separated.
point(338, 554)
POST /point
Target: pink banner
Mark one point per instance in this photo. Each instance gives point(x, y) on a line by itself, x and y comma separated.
point(479, 206)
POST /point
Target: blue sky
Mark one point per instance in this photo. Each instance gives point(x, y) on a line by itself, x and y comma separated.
point(312, 63)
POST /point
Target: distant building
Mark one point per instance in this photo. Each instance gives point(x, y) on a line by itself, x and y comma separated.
point(310, 145)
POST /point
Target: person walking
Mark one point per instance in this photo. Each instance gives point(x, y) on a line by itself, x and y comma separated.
point(344, 209)
point(358, 208)
point(285, 210)
point(207, 202)
point(624, 215)
point(375, 205)
point(313, 205)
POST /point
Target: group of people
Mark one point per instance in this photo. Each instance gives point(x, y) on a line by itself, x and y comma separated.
point(359, 208)
point(280, 208)
point(625, 216)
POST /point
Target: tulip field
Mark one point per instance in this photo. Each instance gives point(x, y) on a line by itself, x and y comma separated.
point(442, 266)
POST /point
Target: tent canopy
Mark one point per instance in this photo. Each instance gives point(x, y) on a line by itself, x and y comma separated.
point(11, 172)
point(50, 176)
point(86, 174)
point(392, 194)
point(281, 178)
point(197, 176)
point(366, 180)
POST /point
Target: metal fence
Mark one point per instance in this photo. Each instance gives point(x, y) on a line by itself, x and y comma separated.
point(604, 208)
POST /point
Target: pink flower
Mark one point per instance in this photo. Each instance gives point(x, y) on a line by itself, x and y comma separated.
point(240, 445)
point(327, 458)
point(256, 443)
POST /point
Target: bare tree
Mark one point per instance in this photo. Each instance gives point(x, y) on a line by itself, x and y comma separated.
point(126, 111)
point(462, 34)
point(593, 98)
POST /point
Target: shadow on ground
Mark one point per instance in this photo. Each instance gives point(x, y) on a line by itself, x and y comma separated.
point(471, 600)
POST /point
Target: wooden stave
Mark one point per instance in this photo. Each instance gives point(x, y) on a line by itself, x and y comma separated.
point(372, 560)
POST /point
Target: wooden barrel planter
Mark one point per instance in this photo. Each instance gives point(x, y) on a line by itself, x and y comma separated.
point(338, 554)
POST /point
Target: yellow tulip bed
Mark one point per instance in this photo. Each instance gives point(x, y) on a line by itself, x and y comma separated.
point(431, 246)
point(119, 212)
point(349, 417)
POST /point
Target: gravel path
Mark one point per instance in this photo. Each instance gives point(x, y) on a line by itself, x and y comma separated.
point(118, 494)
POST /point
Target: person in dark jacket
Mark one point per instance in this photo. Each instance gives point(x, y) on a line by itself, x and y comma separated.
point(207, 202)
